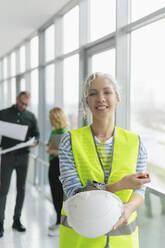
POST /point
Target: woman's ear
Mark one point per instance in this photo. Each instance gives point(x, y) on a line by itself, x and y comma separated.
point(117, 102)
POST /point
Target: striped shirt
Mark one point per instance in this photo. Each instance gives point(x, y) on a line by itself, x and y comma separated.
point(68, 173)
point(104, 150)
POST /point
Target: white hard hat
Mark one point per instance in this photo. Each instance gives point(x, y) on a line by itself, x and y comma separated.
point(93, 213)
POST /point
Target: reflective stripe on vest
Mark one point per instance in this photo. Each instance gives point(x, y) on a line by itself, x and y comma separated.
point(123, 230)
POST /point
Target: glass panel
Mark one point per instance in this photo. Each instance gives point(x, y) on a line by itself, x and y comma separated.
point(1, 95)
point(22, 59)
point(49, 43)
point(71, 89)
point(13, 64)
point(5, 90)
point(71, 30)
point(34, 52)
point(50, 94)
point(102, 18)
point(13, 90)
point(1, 71)
point(104, 62)
point(142, 8)
point(151, 219)
point(22, 85)
point(147, 94)
point(5, 69)
point(34, 92)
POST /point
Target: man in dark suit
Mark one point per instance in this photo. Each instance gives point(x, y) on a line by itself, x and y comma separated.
point(17, 159)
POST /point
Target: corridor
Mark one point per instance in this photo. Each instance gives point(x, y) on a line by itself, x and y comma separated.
point(37, 215)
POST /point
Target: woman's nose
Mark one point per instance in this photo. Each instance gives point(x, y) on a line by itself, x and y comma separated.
point(100, 97)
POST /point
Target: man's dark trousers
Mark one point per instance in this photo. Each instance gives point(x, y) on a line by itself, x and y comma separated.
point(9, 162)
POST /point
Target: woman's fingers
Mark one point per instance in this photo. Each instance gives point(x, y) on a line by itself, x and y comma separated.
point(142, 175)
point(143, 178)
point(135, 181)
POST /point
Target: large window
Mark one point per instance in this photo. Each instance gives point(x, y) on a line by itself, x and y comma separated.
point(13, 64)
point(5, 93)
point(5, 68)
point(13, 90)
point(34, 52)
point(49, 43)
point(22, 59)
point(2, 104)
point(22, 84)
point(104, 62)
point(71, 89)
point(102, 18)
point(1, 95)
point(71, 30)
point(1, 71)
point(142, 8)
point(34, 92)
point(147, 88)
point(50, 92)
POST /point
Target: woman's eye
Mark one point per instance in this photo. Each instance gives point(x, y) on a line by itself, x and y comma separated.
point(92, 94)
point(108, 92)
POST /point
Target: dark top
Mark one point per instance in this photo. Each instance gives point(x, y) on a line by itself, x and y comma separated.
point(13, 115)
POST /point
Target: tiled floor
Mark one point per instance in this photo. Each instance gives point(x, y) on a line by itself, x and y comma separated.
point(37, 215)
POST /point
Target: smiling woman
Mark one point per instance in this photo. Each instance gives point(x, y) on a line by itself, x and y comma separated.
point(102, 156)
point(100, 88)
point(102, 98)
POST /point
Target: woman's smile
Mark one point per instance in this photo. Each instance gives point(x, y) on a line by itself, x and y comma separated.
point(101, 107)
point(102, 97)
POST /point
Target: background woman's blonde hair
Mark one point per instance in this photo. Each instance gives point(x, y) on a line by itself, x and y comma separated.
point(59, 118)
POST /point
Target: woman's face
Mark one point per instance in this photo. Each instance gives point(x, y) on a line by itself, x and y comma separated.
point(102, 98)
point(52, 120)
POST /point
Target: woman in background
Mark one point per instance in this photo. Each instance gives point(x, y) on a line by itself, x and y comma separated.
point(60, 126)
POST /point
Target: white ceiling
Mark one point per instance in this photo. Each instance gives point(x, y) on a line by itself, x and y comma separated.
point(20, 18)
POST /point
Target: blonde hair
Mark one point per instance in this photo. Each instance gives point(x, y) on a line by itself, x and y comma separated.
point(87, 85)
point(59, 118)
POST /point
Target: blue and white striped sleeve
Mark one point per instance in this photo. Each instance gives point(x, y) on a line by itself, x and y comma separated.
point(68, 173)
point(141, 166)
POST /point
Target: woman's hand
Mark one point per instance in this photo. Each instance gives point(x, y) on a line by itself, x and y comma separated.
point(135, 202)
point(52, 151)
point(51, 145)
point(123, 220)
point(134, 181)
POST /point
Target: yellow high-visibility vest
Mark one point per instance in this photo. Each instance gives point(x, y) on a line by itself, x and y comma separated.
point(124, 160)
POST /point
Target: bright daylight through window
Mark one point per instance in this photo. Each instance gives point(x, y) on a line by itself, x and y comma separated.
point(147, 98)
